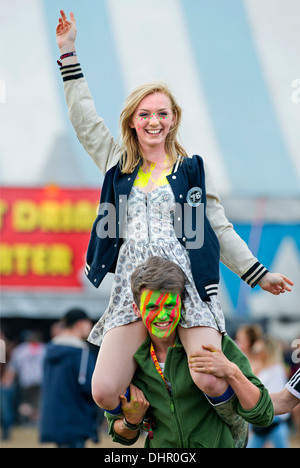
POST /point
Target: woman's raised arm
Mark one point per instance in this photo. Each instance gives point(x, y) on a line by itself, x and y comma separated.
point(89, 127)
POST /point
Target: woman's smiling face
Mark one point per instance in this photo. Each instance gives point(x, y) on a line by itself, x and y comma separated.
point(160, 312)
point(153, 120)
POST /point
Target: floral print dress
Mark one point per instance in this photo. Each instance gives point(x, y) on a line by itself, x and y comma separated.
point(150, 232)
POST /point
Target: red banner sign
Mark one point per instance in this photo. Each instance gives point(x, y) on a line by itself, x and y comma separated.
point(44, 235)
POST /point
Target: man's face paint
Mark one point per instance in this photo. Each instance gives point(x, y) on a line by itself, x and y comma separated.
point(160, 312)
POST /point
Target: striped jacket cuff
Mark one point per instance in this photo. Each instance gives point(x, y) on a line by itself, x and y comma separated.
point(71, 72)
point(254, 274)
point(212, 289)
point(87, 269)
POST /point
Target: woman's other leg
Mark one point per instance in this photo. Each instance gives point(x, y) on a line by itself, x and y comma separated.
point(116, 365)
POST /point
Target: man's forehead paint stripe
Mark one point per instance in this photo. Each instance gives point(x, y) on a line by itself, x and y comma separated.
point(145, 299)
point(161, 299)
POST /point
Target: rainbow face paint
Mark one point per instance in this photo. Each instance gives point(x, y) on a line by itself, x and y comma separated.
point(160, 312)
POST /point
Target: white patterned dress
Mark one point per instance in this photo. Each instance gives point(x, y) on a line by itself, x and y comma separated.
point(150, 232)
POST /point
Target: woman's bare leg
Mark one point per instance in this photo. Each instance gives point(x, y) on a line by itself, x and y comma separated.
point(115, 365)
point(192, 340)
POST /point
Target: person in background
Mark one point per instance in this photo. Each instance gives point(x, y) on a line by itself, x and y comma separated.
point(288, 398)
point(246, 337)
point(272, 373)
point(26, 367)
point(8, 389)
point(69, 415)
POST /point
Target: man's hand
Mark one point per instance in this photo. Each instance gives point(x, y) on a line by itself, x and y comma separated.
point(275, 283)
point(66, 32)
point(212, 361)
point(135, 409)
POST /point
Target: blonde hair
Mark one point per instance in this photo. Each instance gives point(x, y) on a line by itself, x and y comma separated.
point(254, 332)
point(131, 150)
point(271, 351)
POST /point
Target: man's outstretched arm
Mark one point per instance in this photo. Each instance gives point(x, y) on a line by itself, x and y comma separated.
point(213, 361)
point(286, 400)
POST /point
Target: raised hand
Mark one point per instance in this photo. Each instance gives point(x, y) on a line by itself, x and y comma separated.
point(66, 32)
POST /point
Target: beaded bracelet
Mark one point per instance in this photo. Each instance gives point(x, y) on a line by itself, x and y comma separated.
point(132, 427)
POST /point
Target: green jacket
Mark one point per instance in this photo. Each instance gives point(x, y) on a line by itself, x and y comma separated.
point(186, 419)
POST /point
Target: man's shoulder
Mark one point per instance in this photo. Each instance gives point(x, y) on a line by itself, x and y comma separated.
point(229, 347)
point(234, 354)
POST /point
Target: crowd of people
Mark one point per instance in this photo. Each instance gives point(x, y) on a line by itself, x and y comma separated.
point(271, 360)
point(48, 385)
point(29, 397)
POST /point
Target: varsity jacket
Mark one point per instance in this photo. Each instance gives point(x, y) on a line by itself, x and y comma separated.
point(192, 229)
point(105, 152)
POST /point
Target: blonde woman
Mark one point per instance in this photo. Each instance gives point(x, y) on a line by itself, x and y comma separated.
point(161, 190)
point(271, 372)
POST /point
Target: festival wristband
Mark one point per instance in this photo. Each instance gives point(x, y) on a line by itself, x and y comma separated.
point(69, 54)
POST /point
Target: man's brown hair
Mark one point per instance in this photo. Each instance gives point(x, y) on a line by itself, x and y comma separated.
point(157, 273)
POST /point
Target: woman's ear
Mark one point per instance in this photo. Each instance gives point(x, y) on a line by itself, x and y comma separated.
point(136, 310)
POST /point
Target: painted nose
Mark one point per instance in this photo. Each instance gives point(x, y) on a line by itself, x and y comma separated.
point(154, 120)
point(163, 316)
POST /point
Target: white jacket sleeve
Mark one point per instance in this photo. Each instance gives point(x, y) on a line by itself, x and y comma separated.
point(89, 127)
point(235, 253)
